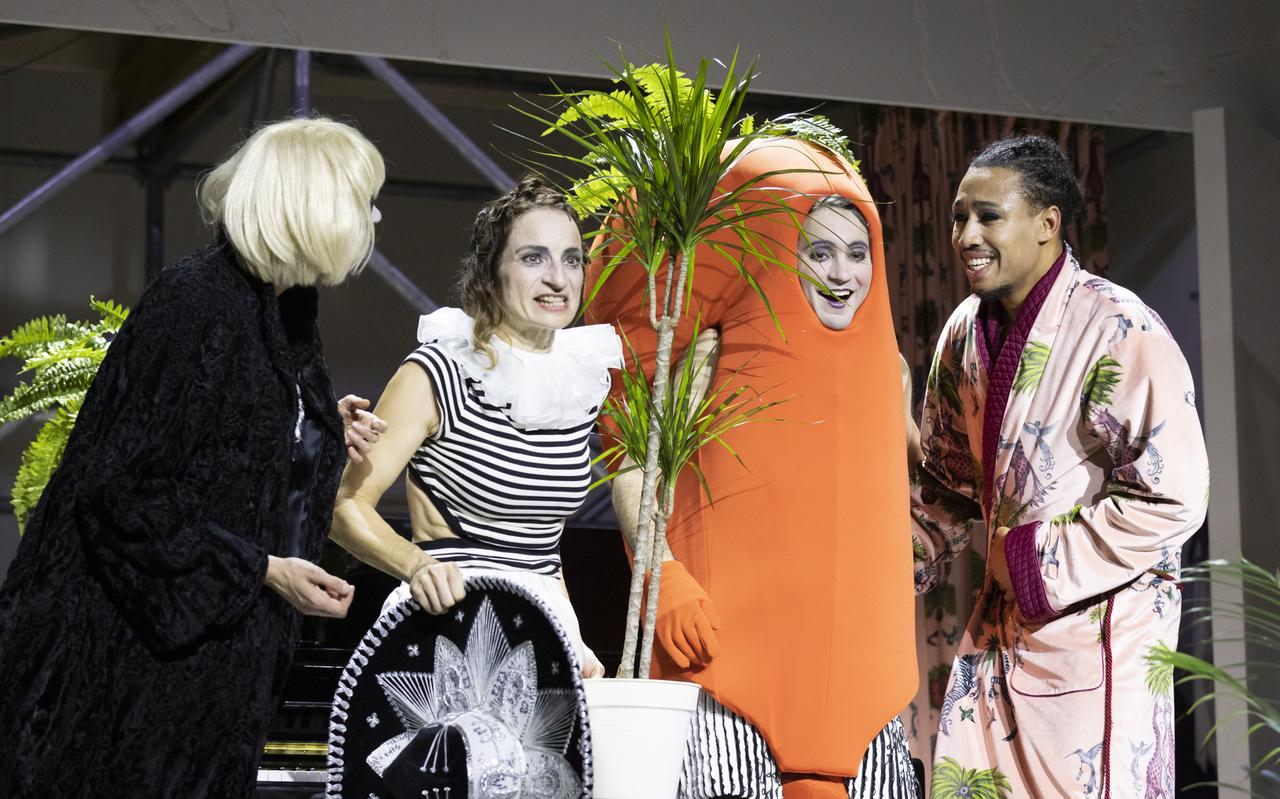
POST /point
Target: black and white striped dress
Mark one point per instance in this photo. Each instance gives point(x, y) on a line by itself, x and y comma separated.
point(727, 758)
point(508, 463)
point(504, 491)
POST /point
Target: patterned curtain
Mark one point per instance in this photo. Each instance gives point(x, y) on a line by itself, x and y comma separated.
point(913, 160)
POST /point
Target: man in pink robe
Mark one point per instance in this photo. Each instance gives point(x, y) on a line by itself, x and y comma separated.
point(1060, 427)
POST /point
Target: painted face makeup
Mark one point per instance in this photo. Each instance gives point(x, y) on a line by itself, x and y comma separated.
point(541, 270)
point(834, 256)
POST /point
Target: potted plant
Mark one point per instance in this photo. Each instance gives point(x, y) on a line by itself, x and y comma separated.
point(63, 357)
point(658, 149)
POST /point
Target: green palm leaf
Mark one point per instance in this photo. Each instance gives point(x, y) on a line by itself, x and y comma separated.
point(1070, 517)
point(685, 426)
point(1159, 675)
point(1031, 368)
point(942, 383)
point(1100, 382)
point(951, 780)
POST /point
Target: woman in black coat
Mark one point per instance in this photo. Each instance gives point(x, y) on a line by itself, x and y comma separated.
point(153, 604)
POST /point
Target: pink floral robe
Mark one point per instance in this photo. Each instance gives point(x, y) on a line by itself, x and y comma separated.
point(1081, 435)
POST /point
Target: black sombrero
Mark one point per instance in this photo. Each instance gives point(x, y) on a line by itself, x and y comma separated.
point(483, 702)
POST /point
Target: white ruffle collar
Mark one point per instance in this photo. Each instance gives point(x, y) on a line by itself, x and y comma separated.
point(564, 387)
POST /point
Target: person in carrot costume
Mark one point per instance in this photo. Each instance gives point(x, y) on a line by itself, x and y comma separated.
point(787, 599)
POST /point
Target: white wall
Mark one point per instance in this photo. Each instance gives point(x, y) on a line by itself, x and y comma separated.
point(1144, 63)
point(1237, 167)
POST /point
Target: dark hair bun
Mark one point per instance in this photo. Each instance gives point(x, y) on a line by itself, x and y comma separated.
point(1047, 176)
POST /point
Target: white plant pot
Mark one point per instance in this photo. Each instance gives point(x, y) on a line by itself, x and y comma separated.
point(639, 729)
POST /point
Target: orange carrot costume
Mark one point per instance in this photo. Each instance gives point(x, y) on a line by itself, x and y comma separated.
point(806, 554)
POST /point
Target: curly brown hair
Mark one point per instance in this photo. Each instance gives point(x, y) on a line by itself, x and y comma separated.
point(479, 285)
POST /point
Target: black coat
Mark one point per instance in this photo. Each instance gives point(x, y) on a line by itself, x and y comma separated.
point(140, 652)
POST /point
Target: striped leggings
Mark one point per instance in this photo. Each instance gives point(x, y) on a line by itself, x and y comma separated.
point(727, 758)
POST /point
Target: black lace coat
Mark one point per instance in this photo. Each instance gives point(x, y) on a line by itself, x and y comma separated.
point(140, 653)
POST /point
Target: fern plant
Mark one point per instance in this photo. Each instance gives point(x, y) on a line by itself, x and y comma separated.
point(62, 358)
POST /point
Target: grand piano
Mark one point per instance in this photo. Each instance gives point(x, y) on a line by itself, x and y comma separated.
point(293, 761)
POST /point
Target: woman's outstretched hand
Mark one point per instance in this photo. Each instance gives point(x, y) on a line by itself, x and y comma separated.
point(309, 588)
point(361, 428)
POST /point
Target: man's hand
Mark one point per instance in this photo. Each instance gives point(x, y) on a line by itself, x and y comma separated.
point(687, 620)
point(437, 586)
point(309, 588)
point(997, 565)
point(361, 428)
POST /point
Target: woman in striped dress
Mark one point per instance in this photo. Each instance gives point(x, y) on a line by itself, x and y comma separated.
point(490, 418)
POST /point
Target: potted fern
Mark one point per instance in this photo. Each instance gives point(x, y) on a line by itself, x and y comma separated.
point(658, 149)
point(63, 357)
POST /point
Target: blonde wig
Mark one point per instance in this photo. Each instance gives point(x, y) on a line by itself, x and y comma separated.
point(295, 201)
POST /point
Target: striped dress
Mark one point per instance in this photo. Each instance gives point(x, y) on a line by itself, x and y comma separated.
point(726, 757)
point(505, 491)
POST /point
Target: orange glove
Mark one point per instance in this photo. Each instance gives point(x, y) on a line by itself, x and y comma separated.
point(687, 620)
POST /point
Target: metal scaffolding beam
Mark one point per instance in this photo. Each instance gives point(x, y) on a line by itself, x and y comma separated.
point(436, 118)
point(301, 83)
point(401, 284)
point(128, 132)
point(264, 85)
point(399, 187)
point(156, 112)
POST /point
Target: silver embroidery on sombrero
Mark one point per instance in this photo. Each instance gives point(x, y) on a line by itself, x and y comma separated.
point(516, 735)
